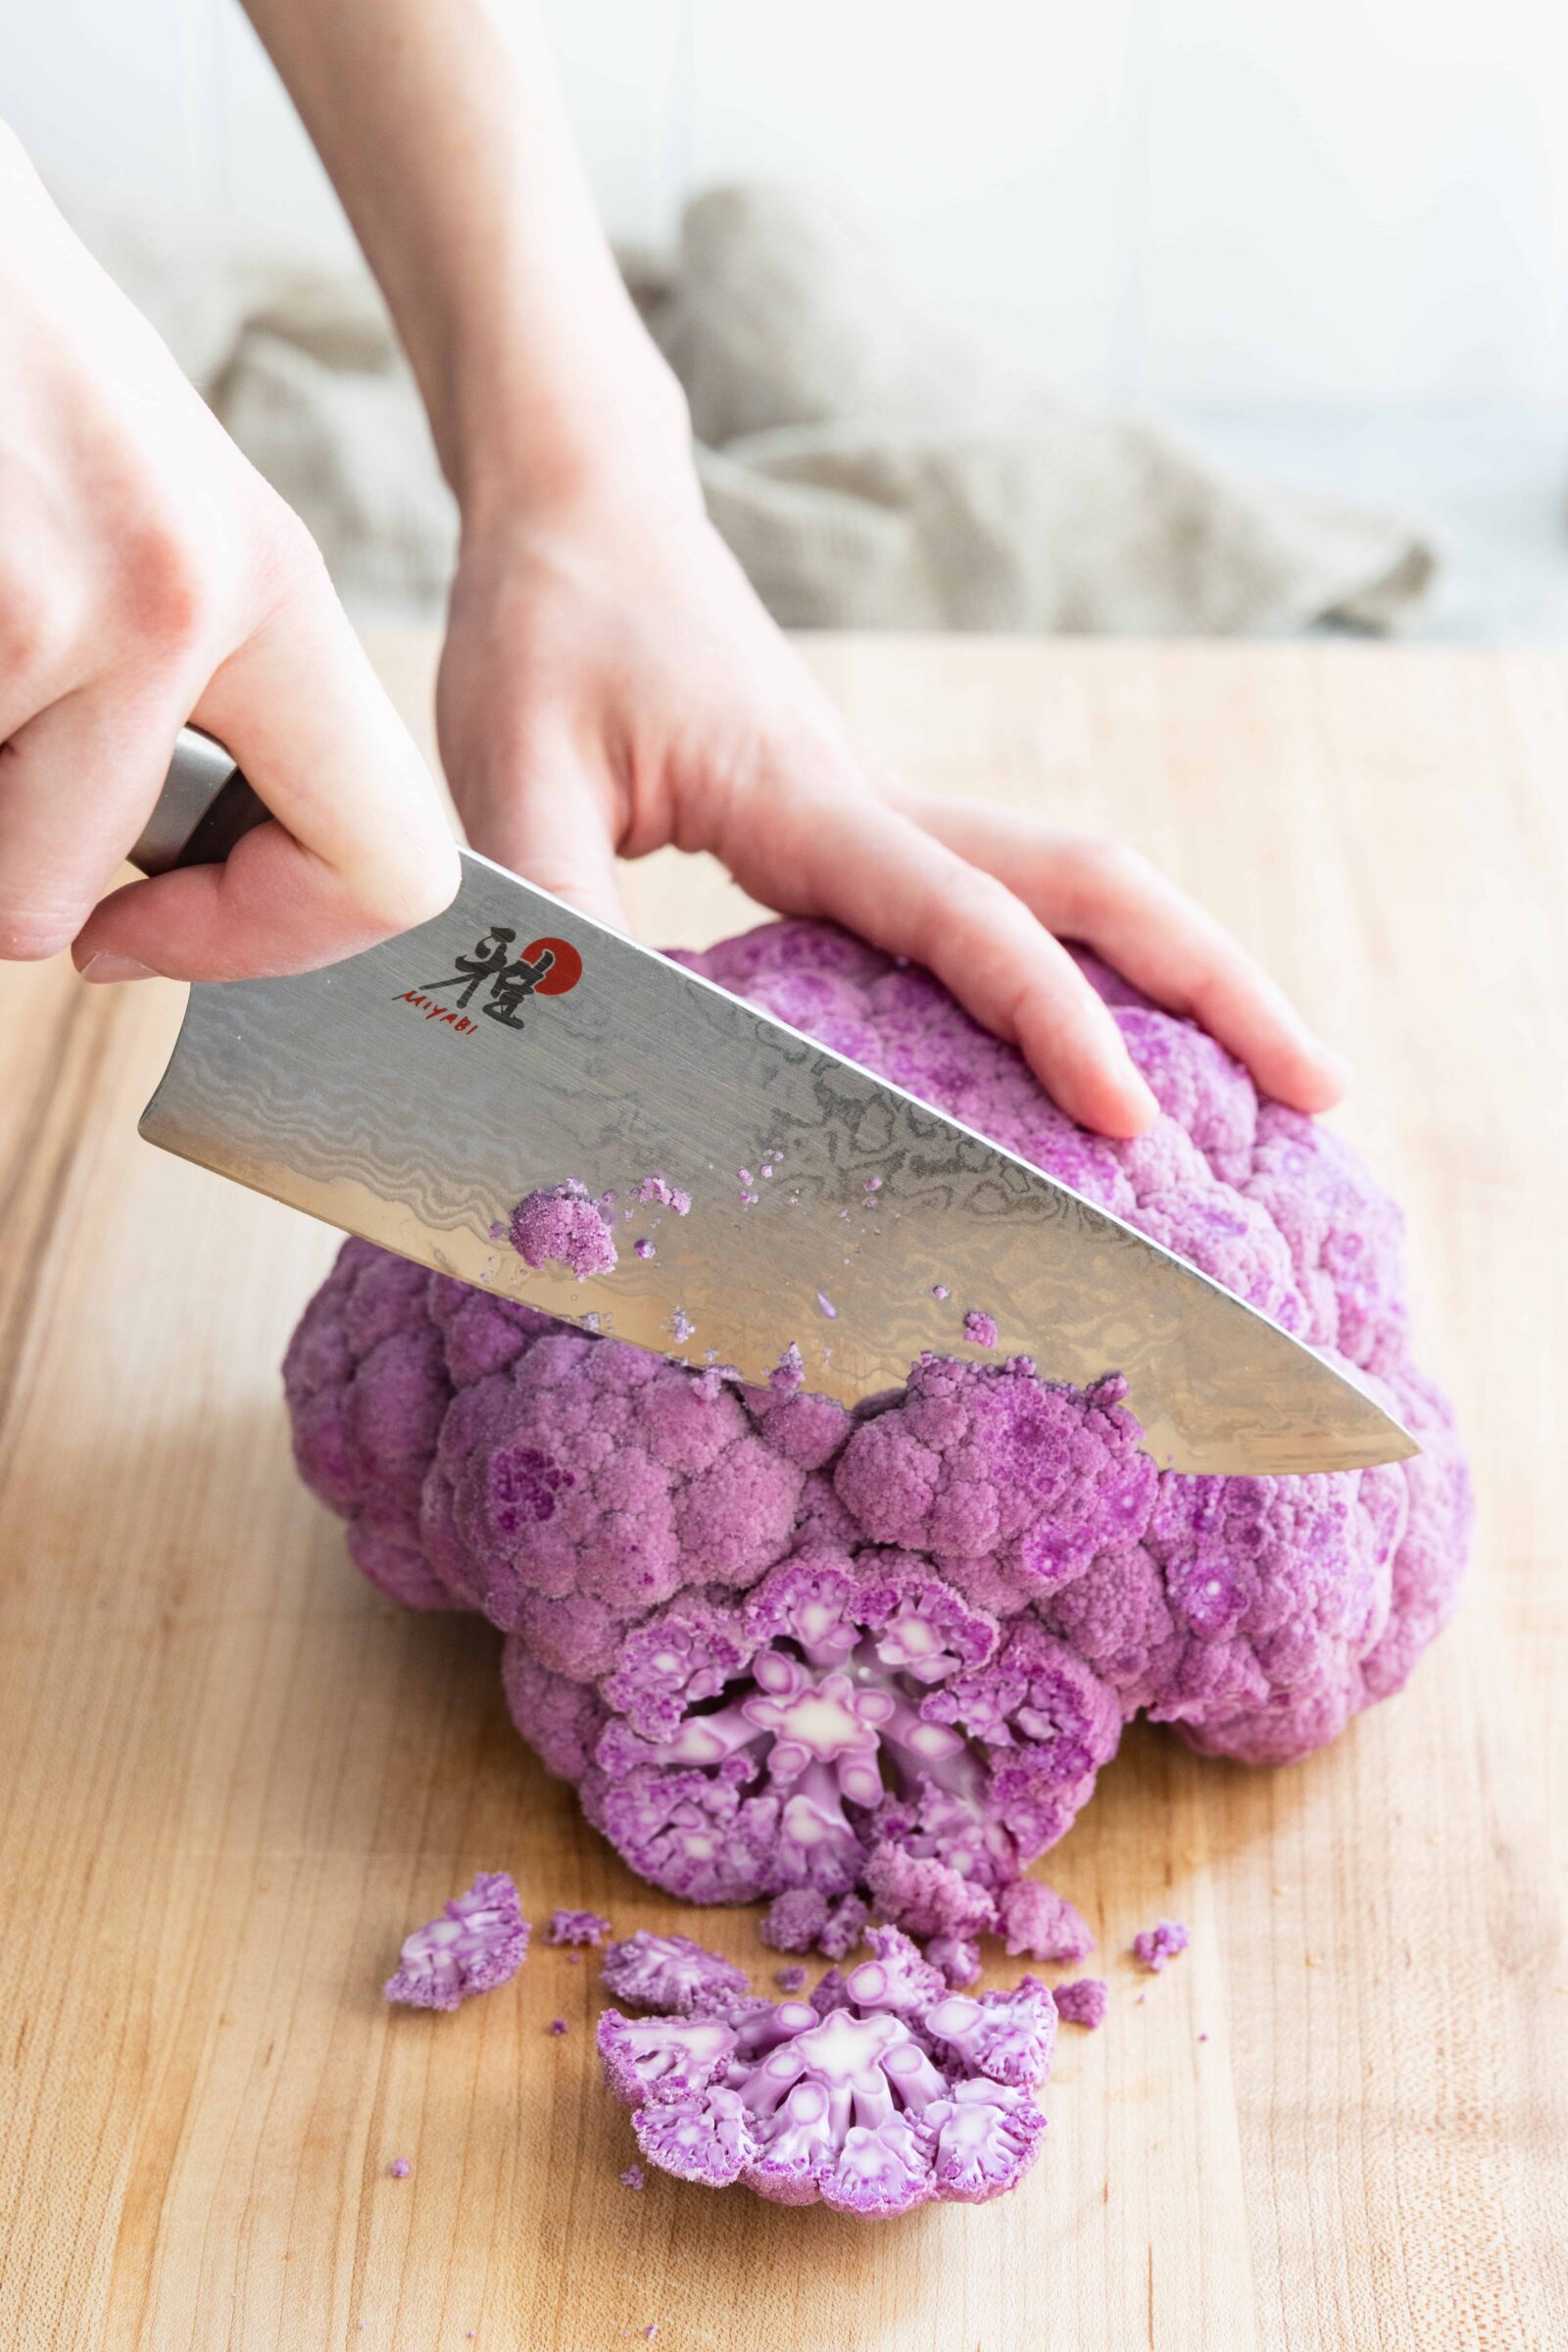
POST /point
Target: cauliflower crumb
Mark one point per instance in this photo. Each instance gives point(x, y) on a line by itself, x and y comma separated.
point(633, 2176)
point(559, 1226)
point(399, 2168)
point(979, 1328)
point(790, 1980)
point(653, 1190)
point(577, 1927)
point(557, 2025)
point(1083, 2002)
point(1155, 1946)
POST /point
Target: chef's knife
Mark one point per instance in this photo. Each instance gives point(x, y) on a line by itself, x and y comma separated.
point(415, 1093)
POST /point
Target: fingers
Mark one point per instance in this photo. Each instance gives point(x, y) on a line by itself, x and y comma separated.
point(871, 868)
point(148, 575)
point(1115, 903)
point(535, 810)
point(361, 847)
point(76, 782)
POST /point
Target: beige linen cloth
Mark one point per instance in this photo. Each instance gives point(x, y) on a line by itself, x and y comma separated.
point(869, 468)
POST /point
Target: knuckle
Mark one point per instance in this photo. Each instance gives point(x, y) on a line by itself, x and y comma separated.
point(968, 897)
point(31, 930)
point(1107, 864)
point(1098, 873)
point(168, 586)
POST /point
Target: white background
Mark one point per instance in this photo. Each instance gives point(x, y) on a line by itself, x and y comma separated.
point(1341, 201)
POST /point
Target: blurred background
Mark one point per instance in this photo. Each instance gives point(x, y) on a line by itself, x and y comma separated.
point(1100, 285)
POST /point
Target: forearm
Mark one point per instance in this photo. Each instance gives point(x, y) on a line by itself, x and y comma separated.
point(447, 140)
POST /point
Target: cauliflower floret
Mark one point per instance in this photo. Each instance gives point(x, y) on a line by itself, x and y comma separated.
point(897, 1978)
point(1037, 1920)
point(1008, 2035)
point(984, 1462)
point(838, 2099)
point(661, 2057)
point(478, 1940)
point(673, 1974)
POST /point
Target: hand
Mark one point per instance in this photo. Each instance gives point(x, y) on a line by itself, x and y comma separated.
point(147, 576)
point(612, 684)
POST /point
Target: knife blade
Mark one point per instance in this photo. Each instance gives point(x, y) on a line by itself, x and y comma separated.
point(415, 1093)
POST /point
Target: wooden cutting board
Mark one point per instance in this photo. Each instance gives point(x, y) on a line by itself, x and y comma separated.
point(231, 1776)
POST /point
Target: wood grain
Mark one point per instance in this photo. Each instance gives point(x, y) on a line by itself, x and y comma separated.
point(231, 1777)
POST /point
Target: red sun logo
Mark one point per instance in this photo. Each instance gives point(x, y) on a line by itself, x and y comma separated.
point(565, 972)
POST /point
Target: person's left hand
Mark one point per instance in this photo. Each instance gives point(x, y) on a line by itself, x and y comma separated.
point(610, 684)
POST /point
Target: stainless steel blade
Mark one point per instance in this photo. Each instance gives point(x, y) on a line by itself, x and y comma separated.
point(415, 1093)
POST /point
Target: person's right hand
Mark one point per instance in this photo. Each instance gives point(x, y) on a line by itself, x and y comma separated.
point(148, 576)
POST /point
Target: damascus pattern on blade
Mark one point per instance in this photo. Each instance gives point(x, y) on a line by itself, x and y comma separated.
point(415, 1093)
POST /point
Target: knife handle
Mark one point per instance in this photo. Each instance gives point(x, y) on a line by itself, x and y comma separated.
point(205, 807)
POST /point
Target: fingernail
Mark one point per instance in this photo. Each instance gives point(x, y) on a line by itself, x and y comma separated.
point(104, 966)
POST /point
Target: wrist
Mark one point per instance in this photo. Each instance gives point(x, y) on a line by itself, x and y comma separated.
point(608, 426)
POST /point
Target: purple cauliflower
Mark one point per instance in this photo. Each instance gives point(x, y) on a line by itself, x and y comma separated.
point(795, 1919)
point(479, 1940)
point(673, 1974)
point(846, 1924)
point(1155, 1946)
point(559, 1226)
point(898, 1977)
point(877, 2098)
point(577, 1927)
point(1083, 2002)
point(653, 1188)
point(958, 1959)
point(662, 2057)
point(803, 1920)
point(1008, 2035)
point(782, 1648)
point(1037, 1920)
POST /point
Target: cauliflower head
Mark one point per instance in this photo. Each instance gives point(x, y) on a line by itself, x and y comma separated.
point(779, 1646)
